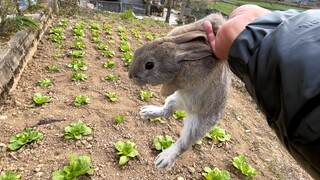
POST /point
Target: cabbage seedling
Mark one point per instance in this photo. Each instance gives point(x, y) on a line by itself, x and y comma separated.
point(126, 150)
point(9, 175)
point(218, 134)
point(27, 136)
point(78, 166)
point(112, 96)
point(111, 42)
point(53, 68)
point(63, 23)
point(78, 25)
point(81, 100)
point(121, 29)
point(111, 77)
point(102, 47)
point(95, 33)
point(118, 118)
point(179, 115)
point(108, 53)
point(45, 82)
point(78, 32)
point(94, 26)
point(56, 31)
point(149, 36)
point(76, 130)
point(240, 163)
point(135, 33)
point(162, 142)
point(78, 45)
point(124, 46)
point(78, 64)
point(39, 100)
point(57, 56)
point(216, 173)
point(76, 76)
point(96, 40)
point(77, 54)
point(57, 38)
point(145, 95)
point(107, 29)
point(109, 64)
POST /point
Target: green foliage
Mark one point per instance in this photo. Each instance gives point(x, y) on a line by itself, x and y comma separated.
point(94, 26)
point(102, 47)
point(63, 23)
point(95, 33)
point(78, 166)
point(111, 77)
point(126, 150)
point(53, 68)
point(39, 100)
point(57, 56)
point(78, 25)
point(76, 76)
point(77, 54)
point(96, 40)
point(78, 38)
point(108, 53)
point(118, 118)
point(109, 64)
point(179, 115)
point(111, 41)
point(81, 100)
point(125, 46)
point(78, 32)
point(240, 163)
point(149, 36)
point(107, 29)
point(76, 130)
point(78, 65)
point(215, 174)
point(24, 22)
point(123, 36)
point(127, 15)
point(162, 142)
point(145, 95)
point(27, 136)
point(127, 58)
point(121, 29)
point(57, 38)
point(78, 45)
point(218, 134)
point(159, 119)
point(9, 175)
point(45, 82)
point(60, 46)
point(135, 33)
point(112, 96)
point(56, 31)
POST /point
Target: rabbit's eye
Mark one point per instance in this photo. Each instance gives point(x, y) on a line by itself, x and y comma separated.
point(149, 65)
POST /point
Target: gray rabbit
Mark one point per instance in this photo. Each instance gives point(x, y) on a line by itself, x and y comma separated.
point(192, 79)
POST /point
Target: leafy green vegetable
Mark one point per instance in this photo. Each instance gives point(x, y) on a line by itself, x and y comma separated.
point(78, 166)
point(149, 36)
point(27, 136)
point(57, 38)
point(96, 40)
point(45, 82)
point(78, 32)
point(39, 100)
point(135, 33)
point(109, 64)
point(108, 53)
point(123, 36)
point(57, 56)
point(95, 33)
point(81, 100)
point(127, 58)
point(53, 68)
point(78, 64)
point(121, 29)
point(240, 163)
point(9, 175)
point(79, 45)
point(78, 25)
point(112, 96)
point(111, 41)
point(111, 77)
point(56, 31)
point(76, 130)
point(159, 119)
point(179, 115)
point(125, 46)
point(63, 23)
point(78, 38)
point(107, 29)
point(162, 142)
point(77, 54)
point(60, 46)
point(76, 76)
point(102, 47)
point(215, 174)
point(118, 118)
point(218, 134)
point(145, 95)
point(94, 26)
point(126, 151)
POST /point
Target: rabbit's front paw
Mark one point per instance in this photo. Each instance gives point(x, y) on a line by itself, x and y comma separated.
point(151, 112)
point(165, 160)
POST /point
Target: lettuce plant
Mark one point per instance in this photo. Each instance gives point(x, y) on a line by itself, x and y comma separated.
point(118, 118)
point(78, 65)
point(109, 64)
point(111, 77)
point(126, 151)
point(179, 115)
point(27, 136)
point(76, 76)
point(162, 142)
point(215, 174)
point(53, 68)
point(9, 175)
point(240, 163)
point(218, 134)
point(112, 96)
point(45, 82)
point(145, 95)
point(76, 130)
point(81, 100)
point(39, 100)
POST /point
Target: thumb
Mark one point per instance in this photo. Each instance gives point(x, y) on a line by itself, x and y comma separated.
point(211, 37)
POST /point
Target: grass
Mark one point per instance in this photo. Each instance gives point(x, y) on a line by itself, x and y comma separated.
point(223, 7)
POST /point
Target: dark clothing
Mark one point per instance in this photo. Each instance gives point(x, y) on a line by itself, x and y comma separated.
point(278, 58)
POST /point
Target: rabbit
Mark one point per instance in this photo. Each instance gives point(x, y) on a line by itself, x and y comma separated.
point(192, 79)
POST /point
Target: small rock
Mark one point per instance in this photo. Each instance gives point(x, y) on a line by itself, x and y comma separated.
point(37, 169)
point(180, 178)
point(192, 170)
point(3, 117)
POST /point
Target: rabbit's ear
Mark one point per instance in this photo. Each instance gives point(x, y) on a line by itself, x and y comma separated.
point(192, 46)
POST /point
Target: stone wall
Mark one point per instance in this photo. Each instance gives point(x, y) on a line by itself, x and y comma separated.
point(14, 55)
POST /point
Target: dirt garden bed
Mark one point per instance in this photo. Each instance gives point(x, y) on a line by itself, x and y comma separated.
point(250, 134)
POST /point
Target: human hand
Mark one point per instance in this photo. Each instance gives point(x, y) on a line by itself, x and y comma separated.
point(228, 32)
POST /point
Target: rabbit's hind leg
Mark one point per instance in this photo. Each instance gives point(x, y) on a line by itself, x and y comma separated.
point(171, 104)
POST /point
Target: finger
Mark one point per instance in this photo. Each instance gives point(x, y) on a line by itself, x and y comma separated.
point(211, 37)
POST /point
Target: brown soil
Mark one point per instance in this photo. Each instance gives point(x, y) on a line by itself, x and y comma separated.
point(250, 133)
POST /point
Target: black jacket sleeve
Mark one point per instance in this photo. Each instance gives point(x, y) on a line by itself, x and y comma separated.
point(278, 58)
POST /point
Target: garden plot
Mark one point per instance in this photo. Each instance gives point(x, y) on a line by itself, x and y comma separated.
point(75, 108)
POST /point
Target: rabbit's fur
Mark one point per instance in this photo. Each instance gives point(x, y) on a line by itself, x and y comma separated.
point(192, 79)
